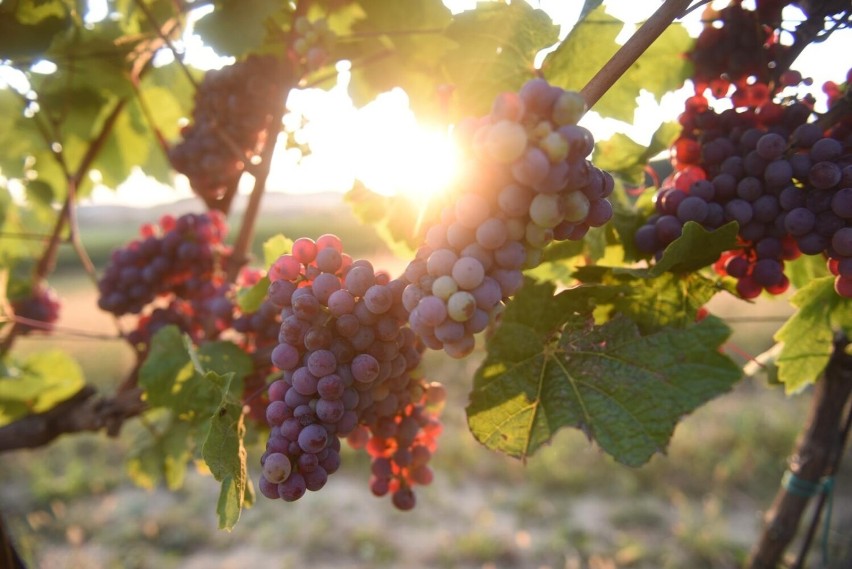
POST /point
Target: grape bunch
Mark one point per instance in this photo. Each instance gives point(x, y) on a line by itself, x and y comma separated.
point(180, 258)
point(312, 42)
point(527, 183)
point(234, 109)
point(40, 306)
point(740, 47)
point(349, 365)
point(778, 176)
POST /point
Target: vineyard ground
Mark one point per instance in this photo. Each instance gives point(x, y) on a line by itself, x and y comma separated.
point(70, 505)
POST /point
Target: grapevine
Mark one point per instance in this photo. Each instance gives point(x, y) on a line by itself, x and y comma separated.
point(587, 302)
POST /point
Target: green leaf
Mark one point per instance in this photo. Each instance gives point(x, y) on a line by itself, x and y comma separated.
point(808, 334)
point(37, 383)
point(274, 247)
point(497, 45)
point(696, 248)
point(620, 155)
point(224, 453)
point(396, 44)
point(164, 456)
point(624, 390)
point(395, 219)
point(26, 35)
point(668, 300)
point(166, 368)
point(249, 299)
point(805, 269)
point(237, 27)
point(591, 44)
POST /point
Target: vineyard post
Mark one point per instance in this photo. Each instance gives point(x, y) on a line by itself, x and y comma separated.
point(814, 460)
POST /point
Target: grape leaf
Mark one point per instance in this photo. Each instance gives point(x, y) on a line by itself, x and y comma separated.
point(624, 390)
point(808, 334)
point(591, 44)
point(804, 269)
point(27, 40)
point(184, 388)
point(654, 302)
point(622, 156)
point(398, 44)
point(696, 248)
point(497, 45)
point(250, 298)
point(274, 247)
point(248, 16)
point(395, 219)
point(37, 383)
point(165, 455)
point(224, 453)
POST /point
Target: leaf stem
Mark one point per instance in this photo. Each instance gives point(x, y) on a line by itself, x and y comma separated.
point(632, 50)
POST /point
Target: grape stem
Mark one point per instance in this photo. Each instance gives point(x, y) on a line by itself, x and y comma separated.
point(632, 50)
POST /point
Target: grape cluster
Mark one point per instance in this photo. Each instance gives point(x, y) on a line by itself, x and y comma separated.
point(40, 305)
point(778, 176)
point(234, 108)
point(312, 42)
point(527, 183)
point(348, 364)
point(739, 47)
point(179, 257)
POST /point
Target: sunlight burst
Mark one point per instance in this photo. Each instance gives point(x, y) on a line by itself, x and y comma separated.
point(380, 144)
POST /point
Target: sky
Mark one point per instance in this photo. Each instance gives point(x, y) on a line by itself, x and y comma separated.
point(384, 146)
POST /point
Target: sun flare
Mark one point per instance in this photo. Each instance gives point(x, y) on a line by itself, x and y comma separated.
point(381, 144)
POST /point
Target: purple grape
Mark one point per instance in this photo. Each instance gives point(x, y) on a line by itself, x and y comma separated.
point(826, 149)
point(739, 210)
point(313, 438)
point(841, 203)
point(824, 175)
point(646, 240)
point(321, 363)
point(771, 146)
point(841, 242)
point(812, 243)
point(799, 221)
point(749, 188)
point(692, 209)
point(293, 488)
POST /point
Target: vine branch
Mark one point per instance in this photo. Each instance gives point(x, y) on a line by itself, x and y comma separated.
point(632, 50)
point(81, 412)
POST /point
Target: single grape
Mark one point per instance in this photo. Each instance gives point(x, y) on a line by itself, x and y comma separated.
point(841, 242)
point(276, 468)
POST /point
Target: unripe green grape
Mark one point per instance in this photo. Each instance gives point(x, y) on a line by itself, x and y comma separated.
point(555, 146)
point(568, 108)
point(576, 206)
point(547, 210)
point(505, 141)
point(538, 236)
point(444, 287)
point(460, 306)
point(541, 131)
